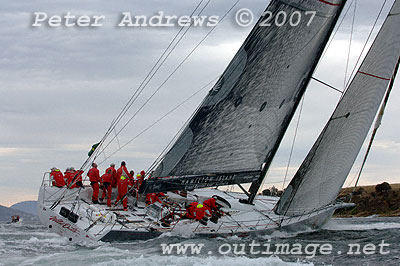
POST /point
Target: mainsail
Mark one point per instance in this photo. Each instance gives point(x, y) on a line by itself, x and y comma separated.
point(237, 130)
point(322, 174)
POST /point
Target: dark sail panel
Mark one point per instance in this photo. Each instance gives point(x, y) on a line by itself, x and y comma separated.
point(325, 169)
point(189, 183)
point(243, 118)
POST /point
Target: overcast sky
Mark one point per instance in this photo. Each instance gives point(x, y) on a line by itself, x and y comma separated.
point(61, 87)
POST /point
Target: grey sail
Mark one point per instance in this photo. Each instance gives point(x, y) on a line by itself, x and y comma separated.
point(242, 120)
point(322, 174)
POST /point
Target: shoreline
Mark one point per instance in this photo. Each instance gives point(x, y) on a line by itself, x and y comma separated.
point(371, 201)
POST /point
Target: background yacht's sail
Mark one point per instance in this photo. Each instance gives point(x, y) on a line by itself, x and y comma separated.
point(322, 174)
point(242, 120)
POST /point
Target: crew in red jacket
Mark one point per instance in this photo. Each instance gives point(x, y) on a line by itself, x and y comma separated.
point(78, 182)
point(210, 206)
point(195, 211)
point(57, 177)
point(94, 178)
point(67, 175)
point(114, 178)
point(140, 178)
point(123, 182)
point(106, 179)
point(152, 198)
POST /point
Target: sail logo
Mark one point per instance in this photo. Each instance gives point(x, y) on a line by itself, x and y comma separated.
point(64, 224)
point(219, 179)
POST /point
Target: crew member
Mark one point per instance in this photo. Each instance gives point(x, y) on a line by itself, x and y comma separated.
point(78, 175)
point(195, 211)
point(210, 206)
point(94, 178)
point(124, 178)
point(140, 179)
point(152, 198)
point(132, 180)
point(114, 179)
point(57, 177)
point(106, 179)
point(66, 174)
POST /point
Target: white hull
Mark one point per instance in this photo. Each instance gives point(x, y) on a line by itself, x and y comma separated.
point(137, 223)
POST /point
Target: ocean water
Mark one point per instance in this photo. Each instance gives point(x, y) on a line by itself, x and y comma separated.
point(32, 244)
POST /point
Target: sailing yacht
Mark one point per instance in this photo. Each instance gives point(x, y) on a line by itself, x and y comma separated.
point(235, 133)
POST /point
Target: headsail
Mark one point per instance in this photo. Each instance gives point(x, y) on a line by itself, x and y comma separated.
point(241, 123)
point(322, 174)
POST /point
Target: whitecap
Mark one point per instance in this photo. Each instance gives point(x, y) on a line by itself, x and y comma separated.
point(338, 225)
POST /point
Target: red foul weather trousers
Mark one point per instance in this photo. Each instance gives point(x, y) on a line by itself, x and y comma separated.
point(107, 189)
point(95, 186)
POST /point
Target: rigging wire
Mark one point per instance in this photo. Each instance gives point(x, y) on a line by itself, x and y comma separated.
point(351, 41)
point(293, 143)
point(159, 119)
point(366, 43)
point(326, 84)
point(337, 29)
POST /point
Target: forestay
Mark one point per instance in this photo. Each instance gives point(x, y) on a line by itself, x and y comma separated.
point(322, 174)
point(241, 122)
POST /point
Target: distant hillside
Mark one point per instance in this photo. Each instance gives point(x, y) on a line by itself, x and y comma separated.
point(26, 206)
point(6, 213)
point(370, 201)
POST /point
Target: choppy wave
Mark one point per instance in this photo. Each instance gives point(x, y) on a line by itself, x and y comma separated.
point(123, 259)
point(32, 244)
point(338, 225)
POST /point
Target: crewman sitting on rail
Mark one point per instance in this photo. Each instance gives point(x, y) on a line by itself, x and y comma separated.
point(195, 211)
point(66, 174)
point(211, 206)
point(78, 176)
point(106, 180)
point(94, 178)
point(57, 177)
point(213, 209)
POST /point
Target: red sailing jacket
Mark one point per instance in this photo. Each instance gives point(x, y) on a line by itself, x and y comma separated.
point(123, 171)
point(58, 178)
point(152, 198)
point(68, 175)
point(72, 175)
point(94, 175)
point(190, 210)
point(114, 178)
point(107, 177)
point(123, 183)
point(210, 205)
